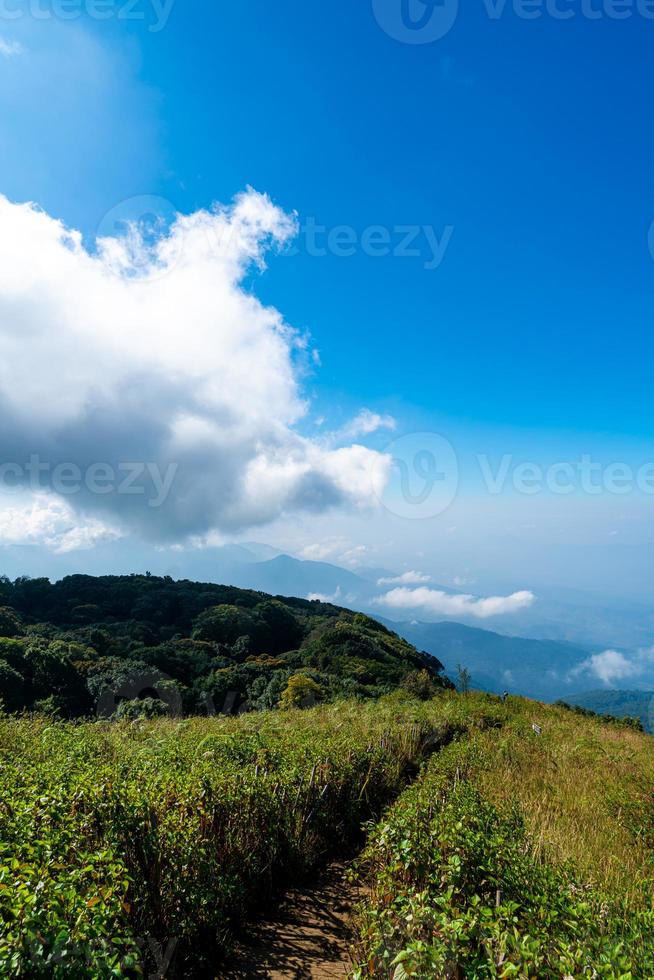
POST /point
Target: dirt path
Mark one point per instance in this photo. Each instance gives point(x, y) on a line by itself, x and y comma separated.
point(307, 939)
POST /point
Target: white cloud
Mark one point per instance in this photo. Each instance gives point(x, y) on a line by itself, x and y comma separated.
point(9, 49)
point(407, 578)
point(356, 556)
point(612, 666)
point(50, 522)
point(609, 666)
point(323, 550)
point(336, 598)
point(155, 350)
point(365, 423)
point(338, 550)
point(435, 602)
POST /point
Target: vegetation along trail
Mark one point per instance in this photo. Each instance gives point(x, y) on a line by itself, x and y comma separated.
point(182, 831)
point(522, 851)
point(312, 933)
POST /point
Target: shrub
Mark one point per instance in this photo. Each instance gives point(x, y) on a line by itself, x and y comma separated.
point(114, 834)
point(301, 692)
point(141, 708)
point(419, 684)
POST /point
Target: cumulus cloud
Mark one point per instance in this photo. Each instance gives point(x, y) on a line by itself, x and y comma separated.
point(609, 666)
point(365, 423)
point(612, 667)
point(151, 348)
point(435, 602)
point(407, 578)
point(49, 521)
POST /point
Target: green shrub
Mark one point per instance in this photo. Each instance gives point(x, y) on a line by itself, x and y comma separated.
point(118, 838)
point(460, 889)
point(301, 692)
point(141, 708)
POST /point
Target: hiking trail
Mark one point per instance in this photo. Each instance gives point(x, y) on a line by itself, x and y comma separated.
point(307, 938)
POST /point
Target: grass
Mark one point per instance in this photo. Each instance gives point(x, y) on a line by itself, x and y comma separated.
point(124, 841)
point(586, 789)
point(517, 855)
point(492, 851)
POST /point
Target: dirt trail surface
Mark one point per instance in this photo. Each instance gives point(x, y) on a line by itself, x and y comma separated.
point(307, 938)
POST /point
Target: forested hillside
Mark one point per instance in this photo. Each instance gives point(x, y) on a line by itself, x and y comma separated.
point(137, 645)
point(620, 704)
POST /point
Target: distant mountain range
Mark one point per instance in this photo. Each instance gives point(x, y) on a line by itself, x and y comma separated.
point(536, 668)
point(534, 652)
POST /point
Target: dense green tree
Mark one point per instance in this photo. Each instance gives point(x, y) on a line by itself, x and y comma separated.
point(10, 624)
point(12, 687)
point(286, 632)
point(266, 690)
point(13, 651)
point(225, 624)
point(52, 672)
point(141, 708)
point(419, 684)
point(87, 644)
point(301, 692)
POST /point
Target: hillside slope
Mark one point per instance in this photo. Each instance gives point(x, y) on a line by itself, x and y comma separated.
point(105, 644)
point(494, 848)
point(524, 850)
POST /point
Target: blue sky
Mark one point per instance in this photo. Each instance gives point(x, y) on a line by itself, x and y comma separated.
point(530, 138)
point(526, 146)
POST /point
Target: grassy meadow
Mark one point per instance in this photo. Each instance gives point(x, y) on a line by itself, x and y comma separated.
point(136, 848)
point(121, 841)
point(518, 854)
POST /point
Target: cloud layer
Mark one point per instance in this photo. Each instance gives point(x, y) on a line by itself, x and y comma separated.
point(151, 348)
point(49, 521)
point(406, 578)
point(612, 667)
point(434, 602)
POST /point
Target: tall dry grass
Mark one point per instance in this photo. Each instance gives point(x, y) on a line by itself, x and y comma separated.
point(586, 789)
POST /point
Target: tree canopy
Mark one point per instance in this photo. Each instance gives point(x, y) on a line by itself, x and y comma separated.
point(86, 645)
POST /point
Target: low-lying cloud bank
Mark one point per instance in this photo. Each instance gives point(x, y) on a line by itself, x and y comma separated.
point(434, 602)
point(406, 578)
point(337, 598)
point(151, 349)
point(612, 667)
